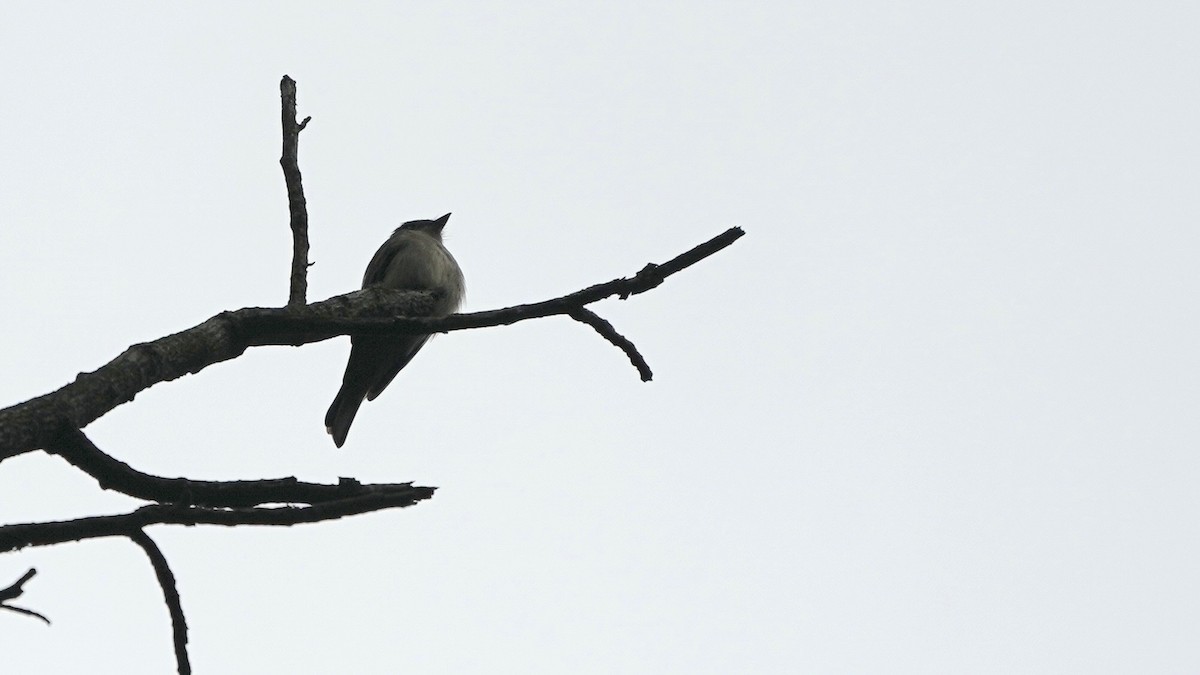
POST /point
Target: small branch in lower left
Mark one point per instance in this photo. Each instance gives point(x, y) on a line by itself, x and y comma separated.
point(14, 591)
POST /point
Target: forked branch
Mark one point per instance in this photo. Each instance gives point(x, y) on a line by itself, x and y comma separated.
point(15, 590)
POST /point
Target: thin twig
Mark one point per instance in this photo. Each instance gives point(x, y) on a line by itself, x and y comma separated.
point(297, 207)
point(606, 329)
point(27, 612)
point(166, 580)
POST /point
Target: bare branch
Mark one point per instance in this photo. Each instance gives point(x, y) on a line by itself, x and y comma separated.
point(166, 580)
point(27, 612)
point(21, 535)
point(621, 342)
point(40, 421)
point(112, 474)
point(14, 591)
point(297, 208)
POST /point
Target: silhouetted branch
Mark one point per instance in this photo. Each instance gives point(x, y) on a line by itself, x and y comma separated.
point(14, 591)
point(166, 580)
point(297, 209)
point(16, 588)
point(38, 422)
point(112, 474)
point(379, 497)
point(621, 342)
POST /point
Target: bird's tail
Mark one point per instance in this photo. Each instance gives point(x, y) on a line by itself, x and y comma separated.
point(341, 414)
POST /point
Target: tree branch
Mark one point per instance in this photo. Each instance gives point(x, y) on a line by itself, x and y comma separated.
point(38, 422)
point(297, 208)
point(21, 535)
point(14, 591)
point(112, 474)
point(16, 588)
point(619, 341)
point(166, 580)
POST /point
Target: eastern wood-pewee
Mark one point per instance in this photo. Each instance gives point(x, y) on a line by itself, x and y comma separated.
point(413, 258)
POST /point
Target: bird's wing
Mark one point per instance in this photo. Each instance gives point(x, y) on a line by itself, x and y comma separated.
point(400, 358)
point(377, 268)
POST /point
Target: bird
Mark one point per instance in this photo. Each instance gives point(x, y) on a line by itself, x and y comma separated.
point(413, 258)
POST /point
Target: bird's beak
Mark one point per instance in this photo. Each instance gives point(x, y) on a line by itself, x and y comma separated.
point(441, 222)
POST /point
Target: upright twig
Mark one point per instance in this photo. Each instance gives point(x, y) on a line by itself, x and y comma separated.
point(297, 207)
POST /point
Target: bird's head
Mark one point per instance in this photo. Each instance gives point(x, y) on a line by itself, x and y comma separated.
point(432, 228)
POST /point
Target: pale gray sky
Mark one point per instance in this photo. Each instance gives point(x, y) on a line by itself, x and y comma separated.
point(935, 413)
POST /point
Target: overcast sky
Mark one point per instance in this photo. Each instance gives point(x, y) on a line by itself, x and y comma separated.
point(935, 413)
